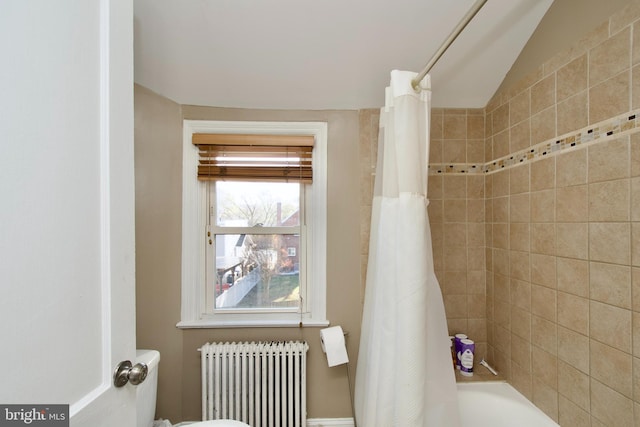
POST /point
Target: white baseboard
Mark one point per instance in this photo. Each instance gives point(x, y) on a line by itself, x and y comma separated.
point(330, 422)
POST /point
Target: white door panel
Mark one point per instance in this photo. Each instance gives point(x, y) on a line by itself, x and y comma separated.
point(67, 311)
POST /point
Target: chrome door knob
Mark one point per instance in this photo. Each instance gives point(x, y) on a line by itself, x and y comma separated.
point(126, 372)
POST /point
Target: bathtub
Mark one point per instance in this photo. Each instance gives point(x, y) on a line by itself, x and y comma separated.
point(497, 404)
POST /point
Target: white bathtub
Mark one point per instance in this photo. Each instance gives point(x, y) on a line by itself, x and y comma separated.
point(498, 404)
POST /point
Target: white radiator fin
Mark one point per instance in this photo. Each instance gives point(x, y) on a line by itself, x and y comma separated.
point(262, 384)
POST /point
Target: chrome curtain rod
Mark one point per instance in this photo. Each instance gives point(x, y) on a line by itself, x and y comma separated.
point(454, 34)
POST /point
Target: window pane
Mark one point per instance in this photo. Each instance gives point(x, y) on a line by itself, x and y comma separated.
point(257, 271)
point(249, 204)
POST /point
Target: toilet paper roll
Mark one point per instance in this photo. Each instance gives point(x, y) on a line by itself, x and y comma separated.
point(333, 345)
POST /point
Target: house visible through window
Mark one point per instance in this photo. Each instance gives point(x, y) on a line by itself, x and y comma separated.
point(254, 224)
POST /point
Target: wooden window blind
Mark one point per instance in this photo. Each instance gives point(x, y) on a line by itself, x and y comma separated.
point(246, 157)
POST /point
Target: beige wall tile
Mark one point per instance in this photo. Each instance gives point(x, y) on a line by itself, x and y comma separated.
point(609, 160)
point(610, 242)
point(475, 126)
point(455, 258)
point(500, 144)
point(635, 87)
point(611, 284)
point(571, 168)
point(543, 270)
point(609, 406)
point(455, 210)
point(574, 385)
point(543, 238)
point(572, 78)
point(475, 151)
point(573, 276)
point(475, 187)
point(543, 302)
point(572, 240)
point(573, 113)
point(572, 204)
point(543, 206)
point(635, 199)
point(454, 127)
point(636, 338)
point(635, 243)
point(635, 285)
point(436, 125)
point(573, 349)
point(520, 324)
point(501, 288)
point(545, 398)
point(545, 367)
point(521, 294)
point(434, 190)
point(543, 94)
point(455, 306)
point(573, 312)
point(520, 136)
point(521, 380)
point(455, 186)
point(520, 265)
point(635, 154)
point(610, 57)
point(519, 107)
point(475, 234)
point(609, 200)
point(476, 309)
point(501, 240)
point(610, 325)
point(570, 415)
point(435, 151)
point(500, 183)
point(519, 179)
point(544, 334)
point(500, 209)
point(521, 352)
point(543, 125)
point(500, 119)
point(519, 208)
point(609, 98)
point(454, 151)
point(475, 211)
point(543, 174)
point(612, 367)
point(519, 236)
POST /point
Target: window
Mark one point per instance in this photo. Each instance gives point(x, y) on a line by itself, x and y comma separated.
point(253, 252)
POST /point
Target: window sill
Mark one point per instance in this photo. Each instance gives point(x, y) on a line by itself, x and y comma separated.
point(250, 323)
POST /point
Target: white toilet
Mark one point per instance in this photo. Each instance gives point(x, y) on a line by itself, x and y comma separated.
point(146, 394)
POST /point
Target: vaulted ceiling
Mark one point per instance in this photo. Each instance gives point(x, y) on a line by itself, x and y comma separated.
point(324, 54)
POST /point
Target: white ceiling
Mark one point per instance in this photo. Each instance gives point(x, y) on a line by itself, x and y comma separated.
point(324, 54)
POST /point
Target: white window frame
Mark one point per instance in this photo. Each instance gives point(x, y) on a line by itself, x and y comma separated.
point(194, 220)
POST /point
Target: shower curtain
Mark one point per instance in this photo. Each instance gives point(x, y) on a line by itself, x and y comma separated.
point(404, 376)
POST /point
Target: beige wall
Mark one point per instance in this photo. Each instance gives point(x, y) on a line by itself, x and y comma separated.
point(564, 25)
point(158, 168)
point(158, 178)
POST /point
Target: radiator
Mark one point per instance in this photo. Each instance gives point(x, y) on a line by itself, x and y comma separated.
point(262, 384)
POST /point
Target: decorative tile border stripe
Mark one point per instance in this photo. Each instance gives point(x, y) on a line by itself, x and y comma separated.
point(603, 131)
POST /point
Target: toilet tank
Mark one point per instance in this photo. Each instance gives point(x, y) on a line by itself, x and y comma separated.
point(147, 391)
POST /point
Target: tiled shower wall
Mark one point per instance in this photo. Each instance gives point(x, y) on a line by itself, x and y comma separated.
point(456, 213)
point(563, 237)
point(560, 207)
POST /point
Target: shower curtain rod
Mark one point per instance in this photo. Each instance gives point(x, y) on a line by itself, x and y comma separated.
point(454, 34)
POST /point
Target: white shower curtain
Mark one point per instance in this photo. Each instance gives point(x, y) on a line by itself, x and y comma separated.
point(405, 376)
